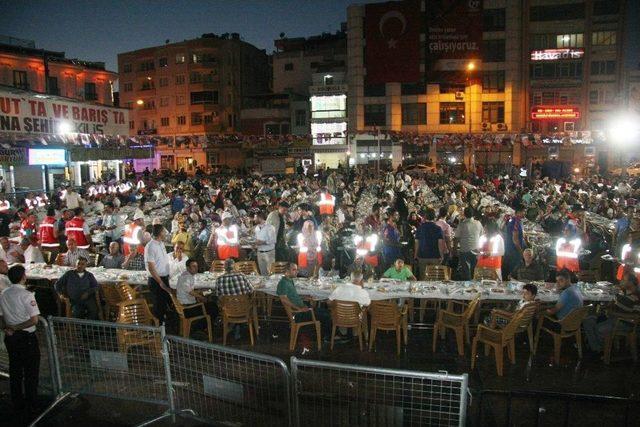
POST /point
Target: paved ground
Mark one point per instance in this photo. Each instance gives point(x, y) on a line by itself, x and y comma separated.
point(587, 377)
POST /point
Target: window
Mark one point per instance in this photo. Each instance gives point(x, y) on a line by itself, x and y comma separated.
point(162, 62)
point(164, 121)
point(328, 80)
point(569, 40)
point(452, 113)
point(128, 104)
point(127, 68)
point(202, 58)
point(90, 93)
point(205, 97)
point(127, 87)
point(375, 115)
point(327, 107)
point(556, 70)
point(542, 41)
point(164, 81)
point(375, 90)
point(493, 19)
point(147, 85)
point(593, 97)
point(132, 124)
point(181, 58)
point(560, 12)
point(149, 105)
point(493, 81)
point(181, 120)
point(601, 96)
point(180, 100)
point(301, 118)
point(451, 87)
point(493, 50)
point(606, 7)
point(20, 79)
point(52, 85)
point(288, 66)
point(603, 38)
point(208, 119)
point(146, 66)
point(414, 114)
point(180, 79)
point(413, 89)
point(493, 112)
point(603, 67)
point(164, 101)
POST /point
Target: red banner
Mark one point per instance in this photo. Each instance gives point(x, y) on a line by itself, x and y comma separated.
point(392, 32)
point(454, 38)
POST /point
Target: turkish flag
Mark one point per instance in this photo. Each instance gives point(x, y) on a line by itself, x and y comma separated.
point(392, 50)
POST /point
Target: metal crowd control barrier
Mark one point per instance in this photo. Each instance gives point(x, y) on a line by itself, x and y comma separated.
point(110, 360)
point(46, 383)
point(227, 386)
point(337, 394)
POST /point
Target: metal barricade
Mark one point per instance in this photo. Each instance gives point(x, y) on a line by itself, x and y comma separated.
point(228, 386)
point(337, 394)
point(46, 383)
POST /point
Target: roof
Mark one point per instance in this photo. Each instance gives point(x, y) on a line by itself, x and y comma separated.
point(52, 56)
point(21, 92)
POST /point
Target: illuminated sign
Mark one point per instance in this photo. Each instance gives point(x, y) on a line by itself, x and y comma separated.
point(556, 54)
point(552, 113)
point(47, 156)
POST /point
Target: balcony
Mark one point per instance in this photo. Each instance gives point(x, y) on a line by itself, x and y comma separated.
point(90, 96)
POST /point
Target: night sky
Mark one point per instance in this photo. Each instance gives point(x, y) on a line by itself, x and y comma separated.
point(99, 30)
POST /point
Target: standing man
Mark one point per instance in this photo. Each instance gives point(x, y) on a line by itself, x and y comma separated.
point(277, 219)
point(514, 244)
point(266, 242)
point(18, 318)
point(78, 229)
point(468, 235)
point(430, 247)
point(157, 264)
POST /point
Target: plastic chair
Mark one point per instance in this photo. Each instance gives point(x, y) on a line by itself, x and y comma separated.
point(569, 327)
point(217, 266)
point(246, 267)
point(112, 298)
point(431, 273)
point(187, 322)
point(458, 322)
point(136, 312)
point(278, 267)
point(347, 314)
point(484, 273)
point(296, 326)
point(528, 311)
point(625, 327)
point(236, 309)
point(387, 316)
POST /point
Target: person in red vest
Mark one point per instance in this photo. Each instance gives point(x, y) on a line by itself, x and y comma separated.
point(629, 261)
point(491, 249)
point(309, 249)
point(227, 238)
point(78, 229)
point(326, 203)
point(366, 247)
point(28, 226)
point(133, 234)
point(48, 234)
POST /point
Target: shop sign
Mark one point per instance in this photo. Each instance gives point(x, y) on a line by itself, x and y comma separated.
point(556, 54)
point(327, 89)
point(13, 156)
point(553, 113)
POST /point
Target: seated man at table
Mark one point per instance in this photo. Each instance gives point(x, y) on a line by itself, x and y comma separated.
point(626, 303)
point(9, 251)
point(569, 300)
point(399, 271)
point(177, 260)
point(4, 279)
point(363, 267)
point(114, 258)
point(232, 282)
point(30, 252)
point(352, 291)
point(70, 258)
point(530, 270)
point(302, 312)
point(80, 286)
point(188, 295)
point(135, 260)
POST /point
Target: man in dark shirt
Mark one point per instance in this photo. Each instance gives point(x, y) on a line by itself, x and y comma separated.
point(80, 287)
point(530, 270)
point(429, 246)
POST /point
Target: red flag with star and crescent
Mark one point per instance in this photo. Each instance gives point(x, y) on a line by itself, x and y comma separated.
point(392, 48)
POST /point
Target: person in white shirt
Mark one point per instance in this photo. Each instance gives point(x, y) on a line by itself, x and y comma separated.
point(266, 242)
point(31, 253)
point(188, 295)
point(157, 265)
point(352, 291)
point(177, 260)
point(4, 280)
point(73, 199)
point(10, 252)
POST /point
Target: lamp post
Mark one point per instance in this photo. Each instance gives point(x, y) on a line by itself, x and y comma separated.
point(470, 67)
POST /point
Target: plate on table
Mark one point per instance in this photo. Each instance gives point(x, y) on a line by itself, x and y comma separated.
point(471, 291)
point(498, 290)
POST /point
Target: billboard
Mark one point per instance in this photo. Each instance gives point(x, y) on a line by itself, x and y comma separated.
point(454, 37)
point(392, 49)
point(47, 156)
point(554, 113)
point(24, 113)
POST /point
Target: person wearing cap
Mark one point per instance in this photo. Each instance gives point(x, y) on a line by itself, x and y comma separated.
point(277, 218)
point(227, 238)
point(133, 234)
point(18, 318)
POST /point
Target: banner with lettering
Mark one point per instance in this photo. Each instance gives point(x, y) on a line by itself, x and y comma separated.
point(39, 114)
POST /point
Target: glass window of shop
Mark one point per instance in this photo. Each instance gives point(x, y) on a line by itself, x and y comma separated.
point(452, 113)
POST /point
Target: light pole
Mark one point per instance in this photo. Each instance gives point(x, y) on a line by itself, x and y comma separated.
point(470, 67)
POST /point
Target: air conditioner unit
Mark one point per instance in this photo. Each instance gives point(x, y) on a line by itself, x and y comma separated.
point(459, 95)
point(569, 126)
point(501, 126)
point(486, 127)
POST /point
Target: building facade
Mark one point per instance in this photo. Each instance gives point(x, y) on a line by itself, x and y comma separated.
point(191, 89)
point(490, 66)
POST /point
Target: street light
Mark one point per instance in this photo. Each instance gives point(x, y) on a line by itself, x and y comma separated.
point(140, 102)
point(470, 67)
